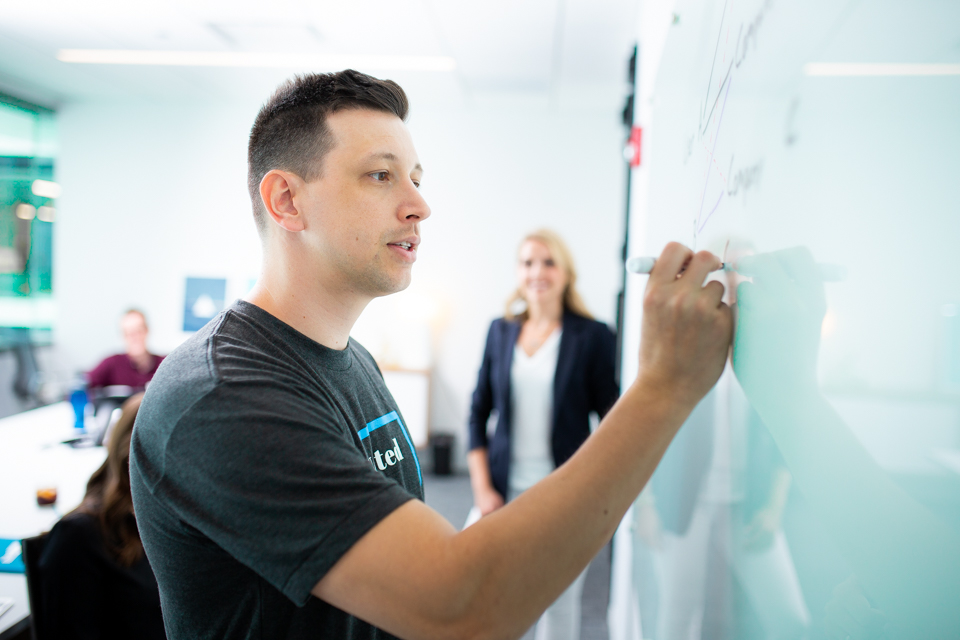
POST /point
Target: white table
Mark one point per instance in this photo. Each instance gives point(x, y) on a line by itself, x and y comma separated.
point(16, 619)
point(30, 458)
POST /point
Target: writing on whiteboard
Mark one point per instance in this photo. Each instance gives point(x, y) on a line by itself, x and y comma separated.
point(717, 182)
point(744, 179)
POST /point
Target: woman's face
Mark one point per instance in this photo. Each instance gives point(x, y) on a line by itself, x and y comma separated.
point(539, 278)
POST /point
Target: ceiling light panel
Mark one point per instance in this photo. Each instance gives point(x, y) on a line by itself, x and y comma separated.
point(269, 60)
point(31, 37)
point(897, 32)
point(839, 69)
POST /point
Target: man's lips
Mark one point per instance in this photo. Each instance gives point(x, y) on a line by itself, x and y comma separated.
point(407, 244)
point(406, 249)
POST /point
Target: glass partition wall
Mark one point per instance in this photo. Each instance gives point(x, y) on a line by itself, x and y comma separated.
point(28, 211)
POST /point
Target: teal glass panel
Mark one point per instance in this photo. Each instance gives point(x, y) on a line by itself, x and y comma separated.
point(815, 492)
point(28, 210)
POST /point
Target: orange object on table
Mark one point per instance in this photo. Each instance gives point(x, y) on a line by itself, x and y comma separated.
point(46, 496)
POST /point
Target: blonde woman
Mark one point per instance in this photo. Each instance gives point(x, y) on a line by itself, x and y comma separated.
point(547, 365)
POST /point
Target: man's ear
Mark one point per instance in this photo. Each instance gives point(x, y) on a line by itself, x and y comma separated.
point(278, 190)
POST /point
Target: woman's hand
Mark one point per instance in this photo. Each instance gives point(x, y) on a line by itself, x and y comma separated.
point(487, 500)
point(760, 534)
point(647, 524)
point(485, 497)
point(762, 531)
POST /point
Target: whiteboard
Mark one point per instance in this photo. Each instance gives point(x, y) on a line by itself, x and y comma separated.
point(819, 144)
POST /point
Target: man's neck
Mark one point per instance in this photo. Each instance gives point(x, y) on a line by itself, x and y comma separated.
point(323, 314)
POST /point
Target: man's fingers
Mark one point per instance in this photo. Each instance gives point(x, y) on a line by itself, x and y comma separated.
point(713, 291)
point(701, 265)
point(670, 263)
point(677, 260)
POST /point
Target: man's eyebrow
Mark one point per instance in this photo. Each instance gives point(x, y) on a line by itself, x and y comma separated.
point(382, 155)
point(391, 157)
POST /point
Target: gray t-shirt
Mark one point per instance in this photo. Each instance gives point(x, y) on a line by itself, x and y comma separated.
point(259, 457)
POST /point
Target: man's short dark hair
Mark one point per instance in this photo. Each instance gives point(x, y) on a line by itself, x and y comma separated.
point(291, 132)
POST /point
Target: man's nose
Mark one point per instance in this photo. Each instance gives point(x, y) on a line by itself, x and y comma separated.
point(415, 206)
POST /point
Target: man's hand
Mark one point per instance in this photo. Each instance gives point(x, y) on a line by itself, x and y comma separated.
point(686, 328)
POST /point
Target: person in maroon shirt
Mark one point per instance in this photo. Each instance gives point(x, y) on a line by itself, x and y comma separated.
point(136, 367)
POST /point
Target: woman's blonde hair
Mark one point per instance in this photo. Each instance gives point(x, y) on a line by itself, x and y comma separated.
point(561, 255)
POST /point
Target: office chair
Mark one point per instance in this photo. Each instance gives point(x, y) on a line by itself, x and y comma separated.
point(32, 549)
point(106, 404)
point(26, 383)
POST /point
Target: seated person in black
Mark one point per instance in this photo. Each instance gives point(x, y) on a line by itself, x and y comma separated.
point(96, 581)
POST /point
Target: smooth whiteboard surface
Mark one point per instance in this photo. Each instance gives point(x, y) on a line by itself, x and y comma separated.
point(807, 496)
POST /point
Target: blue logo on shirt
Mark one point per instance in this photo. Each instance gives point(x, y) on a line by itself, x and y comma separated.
point(384, 420)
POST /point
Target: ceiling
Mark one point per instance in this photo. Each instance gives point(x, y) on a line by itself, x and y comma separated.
point(558, 53)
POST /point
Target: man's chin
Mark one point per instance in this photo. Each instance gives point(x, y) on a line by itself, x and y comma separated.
point(402, 285)
point(386, 286)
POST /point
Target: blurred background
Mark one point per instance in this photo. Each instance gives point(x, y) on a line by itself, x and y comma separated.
point(516, 114)
point(815, 493)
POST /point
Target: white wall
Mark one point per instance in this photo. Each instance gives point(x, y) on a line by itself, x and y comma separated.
point(154, 193)
point(151, 193)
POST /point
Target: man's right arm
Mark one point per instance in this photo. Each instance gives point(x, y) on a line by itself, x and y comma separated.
point(416, 577)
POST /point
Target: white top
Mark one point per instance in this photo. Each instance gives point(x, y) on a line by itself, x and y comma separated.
point(531, 404)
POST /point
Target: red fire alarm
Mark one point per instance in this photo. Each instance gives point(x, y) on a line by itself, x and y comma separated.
point(631, 151)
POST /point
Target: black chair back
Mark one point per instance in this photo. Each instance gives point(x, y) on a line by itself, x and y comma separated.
point(32, 549)
point(105, 401)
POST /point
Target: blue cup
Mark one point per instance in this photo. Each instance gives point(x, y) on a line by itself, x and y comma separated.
point(78, 398)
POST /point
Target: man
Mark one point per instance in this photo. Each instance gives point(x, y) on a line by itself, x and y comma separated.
point(274, 483)
point(135, 367)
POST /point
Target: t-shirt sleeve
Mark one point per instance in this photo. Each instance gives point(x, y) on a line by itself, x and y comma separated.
point(274, 478)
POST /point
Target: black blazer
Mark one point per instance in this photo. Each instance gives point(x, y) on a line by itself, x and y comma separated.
point(584, 382)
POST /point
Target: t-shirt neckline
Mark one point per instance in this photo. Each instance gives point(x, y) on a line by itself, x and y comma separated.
point(337, 359)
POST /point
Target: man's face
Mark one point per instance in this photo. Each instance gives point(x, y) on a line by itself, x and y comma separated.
point(134, 329)
point(363, 214)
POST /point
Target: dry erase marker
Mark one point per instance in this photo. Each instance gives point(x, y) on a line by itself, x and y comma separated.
point(828, 272)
